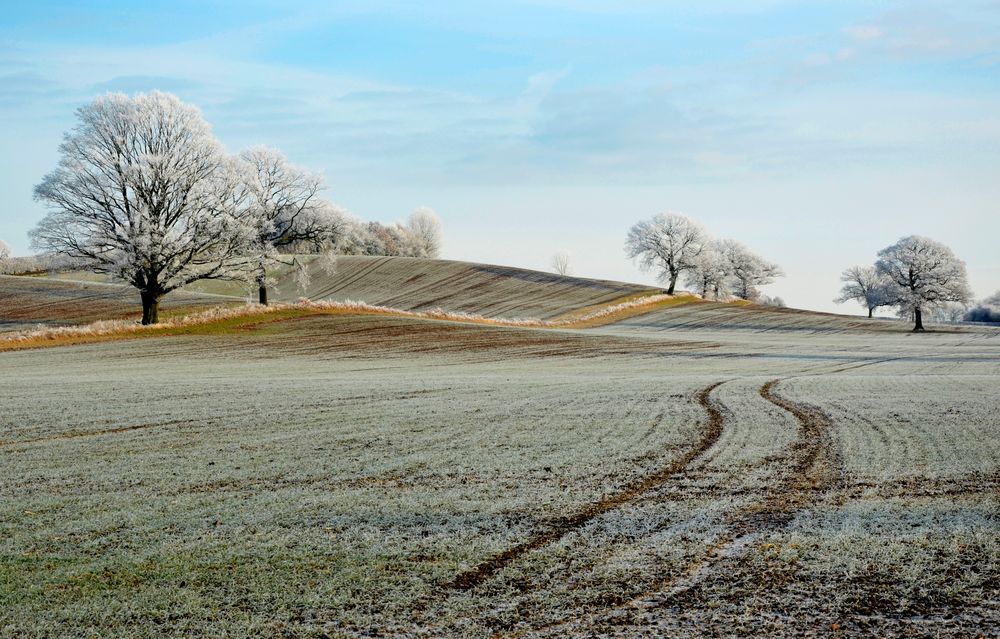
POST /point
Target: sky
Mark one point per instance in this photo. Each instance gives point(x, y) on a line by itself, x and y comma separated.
point(816, 133)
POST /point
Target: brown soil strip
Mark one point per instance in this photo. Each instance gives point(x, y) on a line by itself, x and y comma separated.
point(815, 467)
point(912, 487)
point(562, 526)
point(92, 433)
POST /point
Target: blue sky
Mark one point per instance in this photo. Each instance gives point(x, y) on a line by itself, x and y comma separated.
point(815, 132)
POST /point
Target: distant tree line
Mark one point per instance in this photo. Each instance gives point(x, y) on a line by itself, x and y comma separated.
point(145, 193)
point(675, 246)
point(988, 310)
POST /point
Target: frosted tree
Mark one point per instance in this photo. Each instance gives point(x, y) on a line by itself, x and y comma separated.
point(864, 284)
point(746, 270)
point(285, 210)
point(561, 263)
point(144, 193)
point(924, 274)
point(710, 273)
point(4, 251)
point(668, 242)
point(424, 233)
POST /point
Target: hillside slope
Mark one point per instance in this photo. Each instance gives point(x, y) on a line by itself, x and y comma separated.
point(424, 284)
point(752, 317)
point(29, 301)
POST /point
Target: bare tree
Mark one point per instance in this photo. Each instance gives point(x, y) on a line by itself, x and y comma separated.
point(285, 210)
point(561, 263)
point(746, 269)
point(924, 274)
point(668, 242)
point(4, 253)
point(143, 192)
point(866, 285)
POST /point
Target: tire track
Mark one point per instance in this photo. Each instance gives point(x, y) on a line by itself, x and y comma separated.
point(564, 525)
point(92, 433)
point(815, 471)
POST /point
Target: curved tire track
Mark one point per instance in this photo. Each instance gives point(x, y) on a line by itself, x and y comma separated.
point(564, 525)
point(815, 471)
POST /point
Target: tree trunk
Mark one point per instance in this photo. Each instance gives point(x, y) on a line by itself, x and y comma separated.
point(918, 320)
point(262, 285)
point(150, 307)
point(673, 283)
point(870, 309)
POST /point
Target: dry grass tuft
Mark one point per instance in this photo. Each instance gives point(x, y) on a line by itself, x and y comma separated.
point(223, 317)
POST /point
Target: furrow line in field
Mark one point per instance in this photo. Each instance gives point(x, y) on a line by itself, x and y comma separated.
point(815, 470)
point(562, 526)
point(92, 433)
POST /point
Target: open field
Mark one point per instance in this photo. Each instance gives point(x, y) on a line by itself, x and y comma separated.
point(27, 302)
point(700, 470)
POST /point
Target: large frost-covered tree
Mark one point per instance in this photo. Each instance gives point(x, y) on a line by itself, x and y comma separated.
point(924, 274)
point(668, 242)
point(144, 193)
point(4, 251)
point(864, 284)
point(284, 209)
point(746, 270)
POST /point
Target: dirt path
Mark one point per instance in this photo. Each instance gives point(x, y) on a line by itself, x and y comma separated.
point(562, 526)
point(814, 471)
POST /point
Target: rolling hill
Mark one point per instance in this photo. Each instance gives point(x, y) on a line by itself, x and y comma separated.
point(423, 284)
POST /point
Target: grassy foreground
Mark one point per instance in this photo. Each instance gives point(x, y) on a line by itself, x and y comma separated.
point(336, 474)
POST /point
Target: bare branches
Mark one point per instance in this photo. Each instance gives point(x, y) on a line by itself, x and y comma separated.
point(676, 245)
point(561, 263)
point(866, 285)
point(669, 243)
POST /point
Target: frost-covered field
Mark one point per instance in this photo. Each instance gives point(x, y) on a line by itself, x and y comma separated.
point(364, 475)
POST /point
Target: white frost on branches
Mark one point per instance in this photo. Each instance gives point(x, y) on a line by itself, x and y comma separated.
point(424, 230)
point(284, 209)
point(675, 245)
point(143, 192)
point(745, 269)
point(924, 274)
point(864, 284)
point(669, 243)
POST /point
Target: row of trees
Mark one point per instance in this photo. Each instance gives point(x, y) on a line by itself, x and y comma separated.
point(988, 310)
point(675, 246)
point(145, 193)
point(419, 237)
point(916, 275)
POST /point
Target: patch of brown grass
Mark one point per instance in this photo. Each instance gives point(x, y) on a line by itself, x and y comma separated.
point(222, 319)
